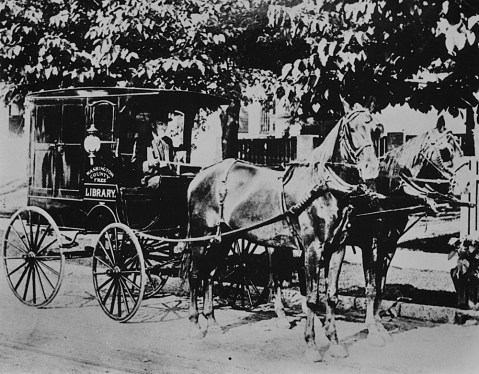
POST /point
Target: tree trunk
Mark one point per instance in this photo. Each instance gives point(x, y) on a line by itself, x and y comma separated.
point(469, 146)
point(230, 126)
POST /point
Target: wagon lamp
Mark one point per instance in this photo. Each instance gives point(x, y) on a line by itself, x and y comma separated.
point(92, 142)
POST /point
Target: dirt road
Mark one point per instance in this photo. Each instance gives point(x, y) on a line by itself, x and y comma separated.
point(72, 335)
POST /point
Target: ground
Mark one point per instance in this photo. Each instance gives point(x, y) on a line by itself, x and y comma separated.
point(74, 336)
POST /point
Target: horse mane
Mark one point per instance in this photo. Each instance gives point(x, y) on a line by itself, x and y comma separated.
point(404, 157)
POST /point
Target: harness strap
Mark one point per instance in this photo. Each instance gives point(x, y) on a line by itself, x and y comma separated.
point(222, 197)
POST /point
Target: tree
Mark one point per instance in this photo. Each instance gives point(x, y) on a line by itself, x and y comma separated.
point(380, 50)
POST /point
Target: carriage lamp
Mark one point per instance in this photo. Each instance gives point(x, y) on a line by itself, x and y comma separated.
point(92, 142)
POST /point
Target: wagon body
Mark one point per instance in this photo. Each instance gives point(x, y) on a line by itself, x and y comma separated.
point(81, 189)
point(83, 181)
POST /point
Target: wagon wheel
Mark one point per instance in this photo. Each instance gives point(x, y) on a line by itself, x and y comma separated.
point(159, 262)
point(243, 280)
point(118, 272)
point(33, 257)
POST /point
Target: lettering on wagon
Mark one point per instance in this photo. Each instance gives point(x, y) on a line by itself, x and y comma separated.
point(99, 174)
point(100, 191)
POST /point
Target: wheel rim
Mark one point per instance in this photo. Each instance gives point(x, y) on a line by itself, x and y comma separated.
point(158, 260)
point(32, 256)
point(241, 281)
point(118, 272)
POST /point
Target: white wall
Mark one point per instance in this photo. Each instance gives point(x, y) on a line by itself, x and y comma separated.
point(403, 118)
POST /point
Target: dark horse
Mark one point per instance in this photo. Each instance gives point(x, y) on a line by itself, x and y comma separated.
point(427, 167)
point(232, 195)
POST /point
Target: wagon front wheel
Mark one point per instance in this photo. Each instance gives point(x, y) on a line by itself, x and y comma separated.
point(118, 272)
point(32, 256)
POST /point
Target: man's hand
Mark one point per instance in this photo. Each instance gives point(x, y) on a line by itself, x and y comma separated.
point(157, 164)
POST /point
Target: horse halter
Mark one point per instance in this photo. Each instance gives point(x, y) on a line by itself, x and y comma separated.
point(346, 139)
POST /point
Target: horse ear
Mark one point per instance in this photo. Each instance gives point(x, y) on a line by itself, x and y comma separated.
point(441, 124)
point(378, 131)
point(346, 106)
point(371, 105)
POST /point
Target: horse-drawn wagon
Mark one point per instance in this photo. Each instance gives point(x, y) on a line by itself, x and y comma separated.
point(83, 183)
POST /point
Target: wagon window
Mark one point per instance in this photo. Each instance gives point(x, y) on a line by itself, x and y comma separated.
point(103, 120)
point(47, 123)
point(73, 123)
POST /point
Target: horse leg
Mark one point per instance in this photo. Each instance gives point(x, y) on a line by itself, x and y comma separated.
point(194, 281)
point(333, 269)
point(371, 270)
point(276, 290)
point(311, 307)
point(385, 260)
point(213, 257)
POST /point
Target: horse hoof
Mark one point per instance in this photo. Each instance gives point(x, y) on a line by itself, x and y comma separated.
point(337, 350)
point(283, 323)
point(197, 333)
point(313, 355)
point(215, 330)
point(376, 339)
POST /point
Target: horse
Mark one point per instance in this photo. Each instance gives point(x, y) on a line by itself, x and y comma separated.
point(234, 195)
point(427, 167)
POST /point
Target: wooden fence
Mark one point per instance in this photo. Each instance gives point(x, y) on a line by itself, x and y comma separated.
point(469, 224)
point(269, 151)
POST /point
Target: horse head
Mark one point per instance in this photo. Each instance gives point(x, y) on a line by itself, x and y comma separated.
point(442, 158)
point(358, 130)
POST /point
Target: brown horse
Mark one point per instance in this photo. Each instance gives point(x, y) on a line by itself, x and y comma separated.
point(231, 195)
point(429, 166)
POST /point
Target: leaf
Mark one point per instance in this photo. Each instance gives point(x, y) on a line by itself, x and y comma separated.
point(453, 241)
point(286, 70)
point(451, 255)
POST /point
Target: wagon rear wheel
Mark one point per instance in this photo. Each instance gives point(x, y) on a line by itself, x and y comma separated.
point(33, 257)
point(159, 262)
point(243, 280)
point(118, 272)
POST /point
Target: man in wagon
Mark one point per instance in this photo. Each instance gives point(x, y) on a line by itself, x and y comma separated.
point(155, 156)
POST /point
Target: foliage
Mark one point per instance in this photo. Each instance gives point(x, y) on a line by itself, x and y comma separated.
point(47, 44)
point(467, 251)
point(379, 50)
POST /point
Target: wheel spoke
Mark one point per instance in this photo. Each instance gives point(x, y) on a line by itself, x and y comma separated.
point(21, 277)
point(113, 297)
point(17, 247)
point(27, 283)
point(107, 295)
point(122, 288)
point(21, 239)
point(98, 258)
point(41, 282)
point(48, 246)
point(26, 234)
point(109, 279)
point(45, 275)
point(55, 272)
point(44, 235)
point(106, 254)
point(18, 268)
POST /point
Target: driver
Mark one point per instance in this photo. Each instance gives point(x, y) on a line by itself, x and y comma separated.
point(154, 157)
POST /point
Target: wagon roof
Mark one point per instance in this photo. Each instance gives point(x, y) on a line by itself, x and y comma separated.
point(173, 99)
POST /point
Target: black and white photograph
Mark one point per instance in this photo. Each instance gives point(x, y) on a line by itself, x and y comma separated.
point(239, 186)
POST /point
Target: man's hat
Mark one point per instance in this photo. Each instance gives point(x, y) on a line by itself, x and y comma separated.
point(163, 117)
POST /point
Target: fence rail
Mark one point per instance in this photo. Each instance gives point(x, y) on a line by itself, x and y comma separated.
point(269, 152)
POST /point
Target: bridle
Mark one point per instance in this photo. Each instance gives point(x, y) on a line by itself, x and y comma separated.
point(435, 151)
point(346, 141)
